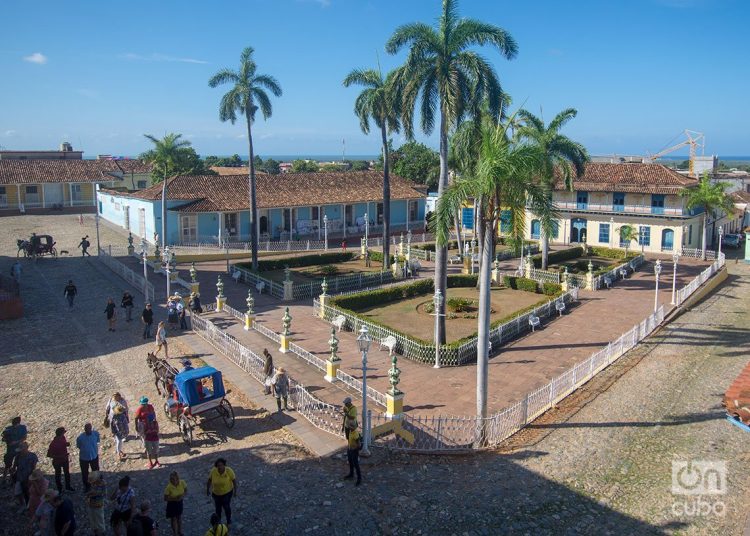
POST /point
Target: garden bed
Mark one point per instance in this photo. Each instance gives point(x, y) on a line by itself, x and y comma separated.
point(313, 268)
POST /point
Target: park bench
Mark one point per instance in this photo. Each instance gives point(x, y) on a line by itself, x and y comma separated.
point(623, 273)
point(414, 268)
point(236, 276)
point(559, 307)
point(339, 322)
point(260, 286)
point(454, 259)
point(534, 322)
point(389, 342)
point(608, 282)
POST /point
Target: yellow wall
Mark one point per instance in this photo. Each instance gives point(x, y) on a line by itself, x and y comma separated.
point(11, 194)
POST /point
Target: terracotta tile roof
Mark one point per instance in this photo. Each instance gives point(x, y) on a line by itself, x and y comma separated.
point(631, 177)
point(133, 166)
point(229, 193)
point(740, 196)
point(46, 171)
point(227, 170)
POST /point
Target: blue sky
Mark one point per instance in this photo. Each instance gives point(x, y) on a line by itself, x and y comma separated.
point(101, 74)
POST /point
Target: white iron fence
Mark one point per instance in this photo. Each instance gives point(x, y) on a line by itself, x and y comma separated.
point(127, 274)
point(544, 276)
point(685, 292)
point(614, 274)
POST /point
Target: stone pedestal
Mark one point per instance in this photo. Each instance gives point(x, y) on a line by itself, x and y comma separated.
point(220, 301)
point(747, 247)
point(496, 276)
point(466, 270)
point(195, 288)
point(394, 405)
point(332, 367)
point(396, 269)
point(288, 291)
point(249, 319)
point(284, 346)
point(131, 250)
point(527, 268)
point(173, 275)
point(323, 299)
point(564, 284)
point(590, 280)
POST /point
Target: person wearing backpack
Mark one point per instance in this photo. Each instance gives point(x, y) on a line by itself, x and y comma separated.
point(352, 454)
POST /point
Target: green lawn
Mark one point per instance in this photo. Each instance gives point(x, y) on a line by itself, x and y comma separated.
point(307, 274)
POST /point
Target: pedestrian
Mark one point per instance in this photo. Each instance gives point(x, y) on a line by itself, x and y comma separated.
point(151, 440)
point(280, 384)
point(349, 413)
point(120, 429)
point(23, 465)
point(116, 400)
point(172, 318)
point(217, 527)
point(58, 451)
point(195, 304)
point(147, 317)
point(124, 499)
point(141, 414)
point(182, 314)
point(38, 486)
point(80, 220)
point(127, 304)
point(222, 486)
point(84, 245)
point(142, 524)
point(65, 519)
point(95, 503)
point(16, 271)
point(111, 313)
point(70, 293)
point(88, 452)
point(267, 370)
point(343, 246)
point(161, 340)
point(174, 494)
point(353, 446)
point(13, 436)
point(44, 517)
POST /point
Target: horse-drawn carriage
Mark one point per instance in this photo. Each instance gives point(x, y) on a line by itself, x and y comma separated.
point(36, 246)
point(191, 396)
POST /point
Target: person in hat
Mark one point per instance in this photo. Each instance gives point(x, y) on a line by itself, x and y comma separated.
point(141, 415)
point(181, 314)
point(95, 503)
point(147, 317)
point(349, 413)
point(353, 446)
point(13, 435)
point(195, 303)
point(116, 400)
point(38, 486)
point(186, 365)
point(120, 429)
point(58, 451)
point(280, 384)
point(44, 517)
point(23, 465)
point(161, 340)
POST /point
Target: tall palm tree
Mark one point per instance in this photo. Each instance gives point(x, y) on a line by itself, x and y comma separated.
point(561, 155)
point(166, 157)
point(713, 199)
point(453, 81)
point(506, 175)
point(377, 102)
point(246, 96)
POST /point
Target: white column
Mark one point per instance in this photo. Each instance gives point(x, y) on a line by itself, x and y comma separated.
point(343, 217)
point(44, 199)
point(221, 226)
point(70, 193)
point(320, 224)
point(407, 214)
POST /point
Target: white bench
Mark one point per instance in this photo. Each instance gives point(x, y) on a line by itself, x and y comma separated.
point(560, 307)
point(389, 342)
point(236, 276)
point(534, 322)
point(623, 273)
point(454, 259)
point(608, 282)
point(260, 286)
point(339, 322)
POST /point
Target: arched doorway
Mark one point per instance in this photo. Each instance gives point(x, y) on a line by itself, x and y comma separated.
point(535, 229)
point(667, 239)
point(578, 230)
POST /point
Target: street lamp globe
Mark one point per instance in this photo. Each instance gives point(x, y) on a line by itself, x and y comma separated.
point(657, 267)
point(675, 256)
point(363, 340)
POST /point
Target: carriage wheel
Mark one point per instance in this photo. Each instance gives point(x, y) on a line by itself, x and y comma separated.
point(186, 429)
point(167, 412)
point(227, 413)
point(54, 252)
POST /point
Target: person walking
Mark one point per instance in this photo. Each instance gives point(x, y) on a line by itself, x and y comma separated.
point(58, 451)
point(127, 304)
point(23, 465)
point(161, 340)
point(217, 527)
point(70, 293)
point(182, 314)
point(267, 370)
point(195, 304)
point(222, 486)
point(174, 494)
point(111, 311)
point(65, 518)
point(142, 524)
point(88, 452)
point(151, 440)
point(95, 503)
point(141, 414)
point(13, 436)
point(44, 517)
point(38, 486)
point(120, 429)
point(124, 499)
point(354, 445)
point(84, 246)
point(147, 317)
point(280, 384)
point(349, 413)
point(116, 400)
point(16, 271)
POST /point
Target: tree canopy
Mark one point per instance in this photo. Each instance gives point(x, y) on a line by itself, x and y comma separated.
point(416, 162)
point(172, 156)
point(304, 166)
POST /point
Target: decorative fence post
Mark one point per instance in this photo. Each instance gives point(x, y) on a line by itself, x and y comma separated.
point(156, 263)
point(220, 298)
point(194, 285)
point(334, 361)
point(131, 249)
point(286, 322)
point(288, 285)
point(394, 399)
point(565, 284)
point(590, 277)
point(323, 298)
point(496, 272)
point(250, 314)
point(527, 268)
point(173, 273)
point(401, 246)
point(396, 268)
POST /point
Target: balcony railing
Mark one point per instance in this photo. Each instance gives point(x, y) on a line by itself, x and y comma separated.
point(621, 209)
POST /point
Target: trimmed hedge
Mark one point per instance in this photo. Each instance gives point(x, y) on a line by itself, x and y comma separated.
point(559, 256)
point(377, 256)
point(609, 253)
point(520, 283)
point(297, 262)
point(431, 246)
point(551, 289)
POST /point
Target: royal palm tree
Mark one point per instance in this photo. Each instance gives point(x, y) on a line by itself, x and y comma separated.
point(628, 233)
point(562, 156)
point(377, 102)
point(713, 199)
point(166, 158)
point(507, 175)
point(246, 96)
point(453, 81)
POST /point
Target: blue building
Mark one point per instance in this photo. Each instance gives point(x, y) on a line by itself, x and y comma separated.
point(291, 206)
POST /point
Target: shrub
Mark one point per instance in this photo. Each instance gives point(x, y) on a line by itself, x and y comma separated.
point(297, 262)
point(520, 283)
point(462, 280)
point(431, 245)
point(328, 270)
point(377, 256)
point(559, 256)
point(550, 289)
point(459, 305)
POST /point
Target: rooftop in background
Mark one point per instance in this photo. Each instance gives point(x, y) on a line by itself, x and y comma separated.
point(49, 171)
point(630, 177)
point(65, 152)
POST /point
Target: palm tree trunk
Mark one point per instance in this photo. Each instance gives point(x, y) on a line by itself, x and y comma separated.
point(459, 241)
point(441, 252)
point(545, 248)
point(164, 210)
point(253, 203)
point(386, 202)
point(483, 329)
point(479, 229)
point(705, 234)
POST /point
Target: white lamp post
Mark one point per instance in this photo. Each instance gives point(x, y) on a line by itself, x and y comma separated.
point(657, 271)
point(363, 341)
point(144, 257)
point(226, 249)
point(325, 232)
point(675, 258)
point(96, 216)
point(721, 233)
point(167, 260)
point(437, 302)
point(473, 245)
point(367, 229)
point(611, 230)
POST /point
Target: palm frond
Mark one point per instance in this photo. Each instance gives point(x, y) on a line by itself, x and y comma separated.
point(471, 32)
point(223, 77)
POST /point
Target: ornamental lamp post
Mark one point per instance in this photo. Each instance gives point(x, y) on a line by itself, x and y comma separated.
point(721, 233)
point(657, 271)
point(167, 257)
point(363, 341)
point(367, 229)
point(611, 230)
point(437, 303)
point(144, 258)
point(675, 258)
point(325, 232)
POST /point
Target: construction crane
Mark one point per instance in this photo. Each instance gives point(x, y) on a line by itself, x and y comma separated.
point(694, 140)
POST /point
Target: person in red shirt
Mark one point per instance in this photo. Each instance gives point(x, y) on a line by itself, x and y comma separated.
point(151, 441)
point(58, 451)
point(141, 416)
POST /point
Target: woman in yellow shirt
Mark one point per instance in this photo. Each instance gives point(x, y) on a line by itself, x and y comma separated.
point(217, 528)
point(222, 486)
point(174, 494)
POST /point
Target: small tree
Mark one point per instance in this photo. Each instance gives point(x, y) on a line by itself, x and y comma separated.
point(712, 198)
point(628, 233)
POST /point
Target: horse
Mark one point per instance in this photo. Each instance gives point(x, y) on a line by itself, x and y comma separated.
point(164, 373)
point(23, 245)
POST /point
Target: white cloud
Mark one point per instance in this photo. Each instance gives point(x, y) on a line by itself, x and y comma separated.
point(9, 133)
point(36, 57)
point(155, 56)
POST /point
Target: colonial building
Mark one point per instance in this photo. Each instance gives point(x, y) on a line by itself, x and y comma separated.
point(290, 206)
